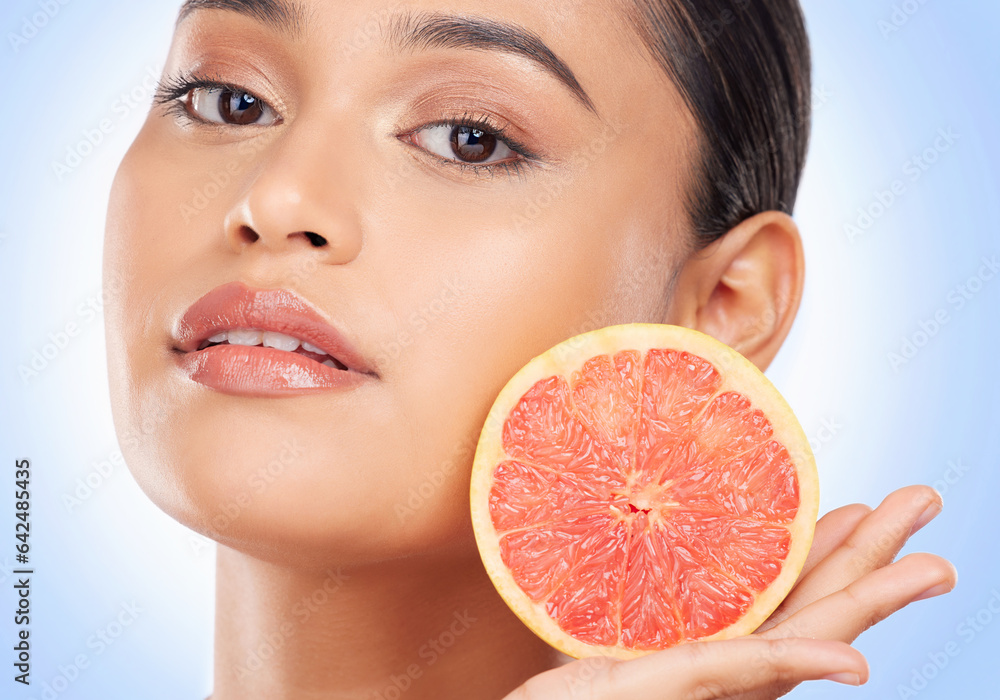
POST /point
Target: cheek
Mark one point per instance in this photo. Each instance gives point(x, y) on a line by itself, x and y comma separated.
point(146, 243)
point(127, 288)
point(505, 282)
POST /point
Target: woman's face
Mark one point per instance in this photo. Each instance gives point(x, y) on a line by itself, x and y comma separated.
point(447, 256)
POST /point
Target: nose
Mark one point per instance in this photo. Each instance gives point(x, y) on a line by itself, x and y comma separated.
point(297, 200)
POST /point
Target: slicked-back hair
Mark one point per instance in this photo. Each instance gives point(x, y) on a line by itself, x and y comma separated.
point(743, 69)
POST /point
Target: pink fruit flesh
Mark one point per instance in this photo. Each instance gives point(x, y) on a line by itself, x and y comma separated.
point(640, 504)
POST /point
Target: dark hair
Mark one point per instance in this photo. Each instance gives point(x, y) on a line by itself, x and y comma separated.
point(743, 69)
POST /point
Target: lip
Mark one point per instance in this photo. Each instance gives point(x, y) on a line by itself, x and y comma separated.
point(249, 370)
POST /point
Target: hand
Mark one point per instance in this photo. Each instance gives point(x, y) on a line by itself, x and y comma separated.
point(848, 584)
point(700, 670)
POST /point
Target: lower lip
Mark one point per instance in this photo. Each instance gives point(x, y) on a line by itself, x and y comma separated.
point(254, 370)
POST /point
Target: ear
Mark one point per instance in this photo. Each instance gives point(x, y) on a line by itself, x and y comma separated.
point(744, 289)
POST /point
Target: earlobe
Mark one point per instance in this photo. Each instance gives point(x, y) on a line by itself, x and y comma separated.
point(745, 288)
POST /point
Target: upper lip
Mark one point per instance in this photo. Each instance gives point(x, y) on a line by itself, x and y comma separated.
point(235, 305)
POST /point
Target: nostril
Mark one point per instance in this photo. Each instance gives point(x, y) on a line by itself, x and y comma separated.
point(245, 235)
point(248, 235)
point(317, 240)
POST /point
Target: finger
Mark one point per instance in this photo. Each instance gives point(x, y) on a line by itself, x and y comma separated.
point(831, 531)
point(872, 545)
point(847, 613)
point(844, 615)
point(701, 670)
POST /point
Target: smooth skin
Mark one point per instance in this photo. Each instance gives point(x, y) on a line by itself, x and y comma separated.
point(346, 566)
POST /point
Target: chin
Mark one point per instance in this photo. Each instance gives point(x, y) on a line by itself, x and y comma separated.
point(297, 481)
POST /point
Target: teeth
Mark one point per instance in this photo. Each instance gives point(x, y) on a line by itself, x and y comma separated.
point(270, 339)
point(244, 336)
point(280, 341)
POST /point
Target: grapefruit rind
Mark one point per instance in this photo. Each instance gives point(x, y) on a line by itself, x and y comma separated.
point(738, 374)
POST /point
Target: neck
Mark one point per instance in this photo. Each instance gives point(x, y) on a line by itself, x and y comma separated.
point(420, 627)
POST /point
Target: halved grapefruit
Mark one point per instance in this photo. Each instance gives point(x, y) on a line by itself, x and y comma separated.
point(641, 486)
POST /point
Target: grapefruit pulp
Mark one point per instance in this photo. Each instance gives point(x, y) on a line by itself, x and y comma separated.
point(640, 486)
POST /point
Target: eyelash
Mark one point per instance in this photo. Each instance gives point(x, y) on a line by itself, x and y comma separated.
point(170, 90)
point(483, 122)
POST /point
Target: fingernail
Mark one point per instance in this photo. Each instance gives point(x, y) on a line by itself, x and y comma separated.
point(846, 678)
point(929, 514)
point(939, 589)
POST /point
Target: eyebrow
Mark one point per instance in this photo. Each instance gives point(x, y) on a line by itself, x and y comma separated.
point(425, 30)
point(447, 31)
point(284, 16)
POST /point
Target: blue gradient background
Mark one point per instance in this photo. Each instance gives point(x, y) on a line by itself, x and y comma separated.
point(880, 102)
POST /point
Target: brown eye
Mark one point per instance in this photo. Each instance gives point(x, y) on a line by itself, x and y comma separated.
point(223, 105)
point(472, 145)
point(463, 143)
point(239, 107)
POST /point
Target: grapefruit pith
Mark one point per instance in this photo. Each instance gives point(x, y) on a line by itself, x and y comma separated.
point(640, 486)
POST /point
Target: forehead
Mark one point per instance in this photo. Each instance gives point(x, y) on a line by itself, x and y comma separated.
point(293, 17)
